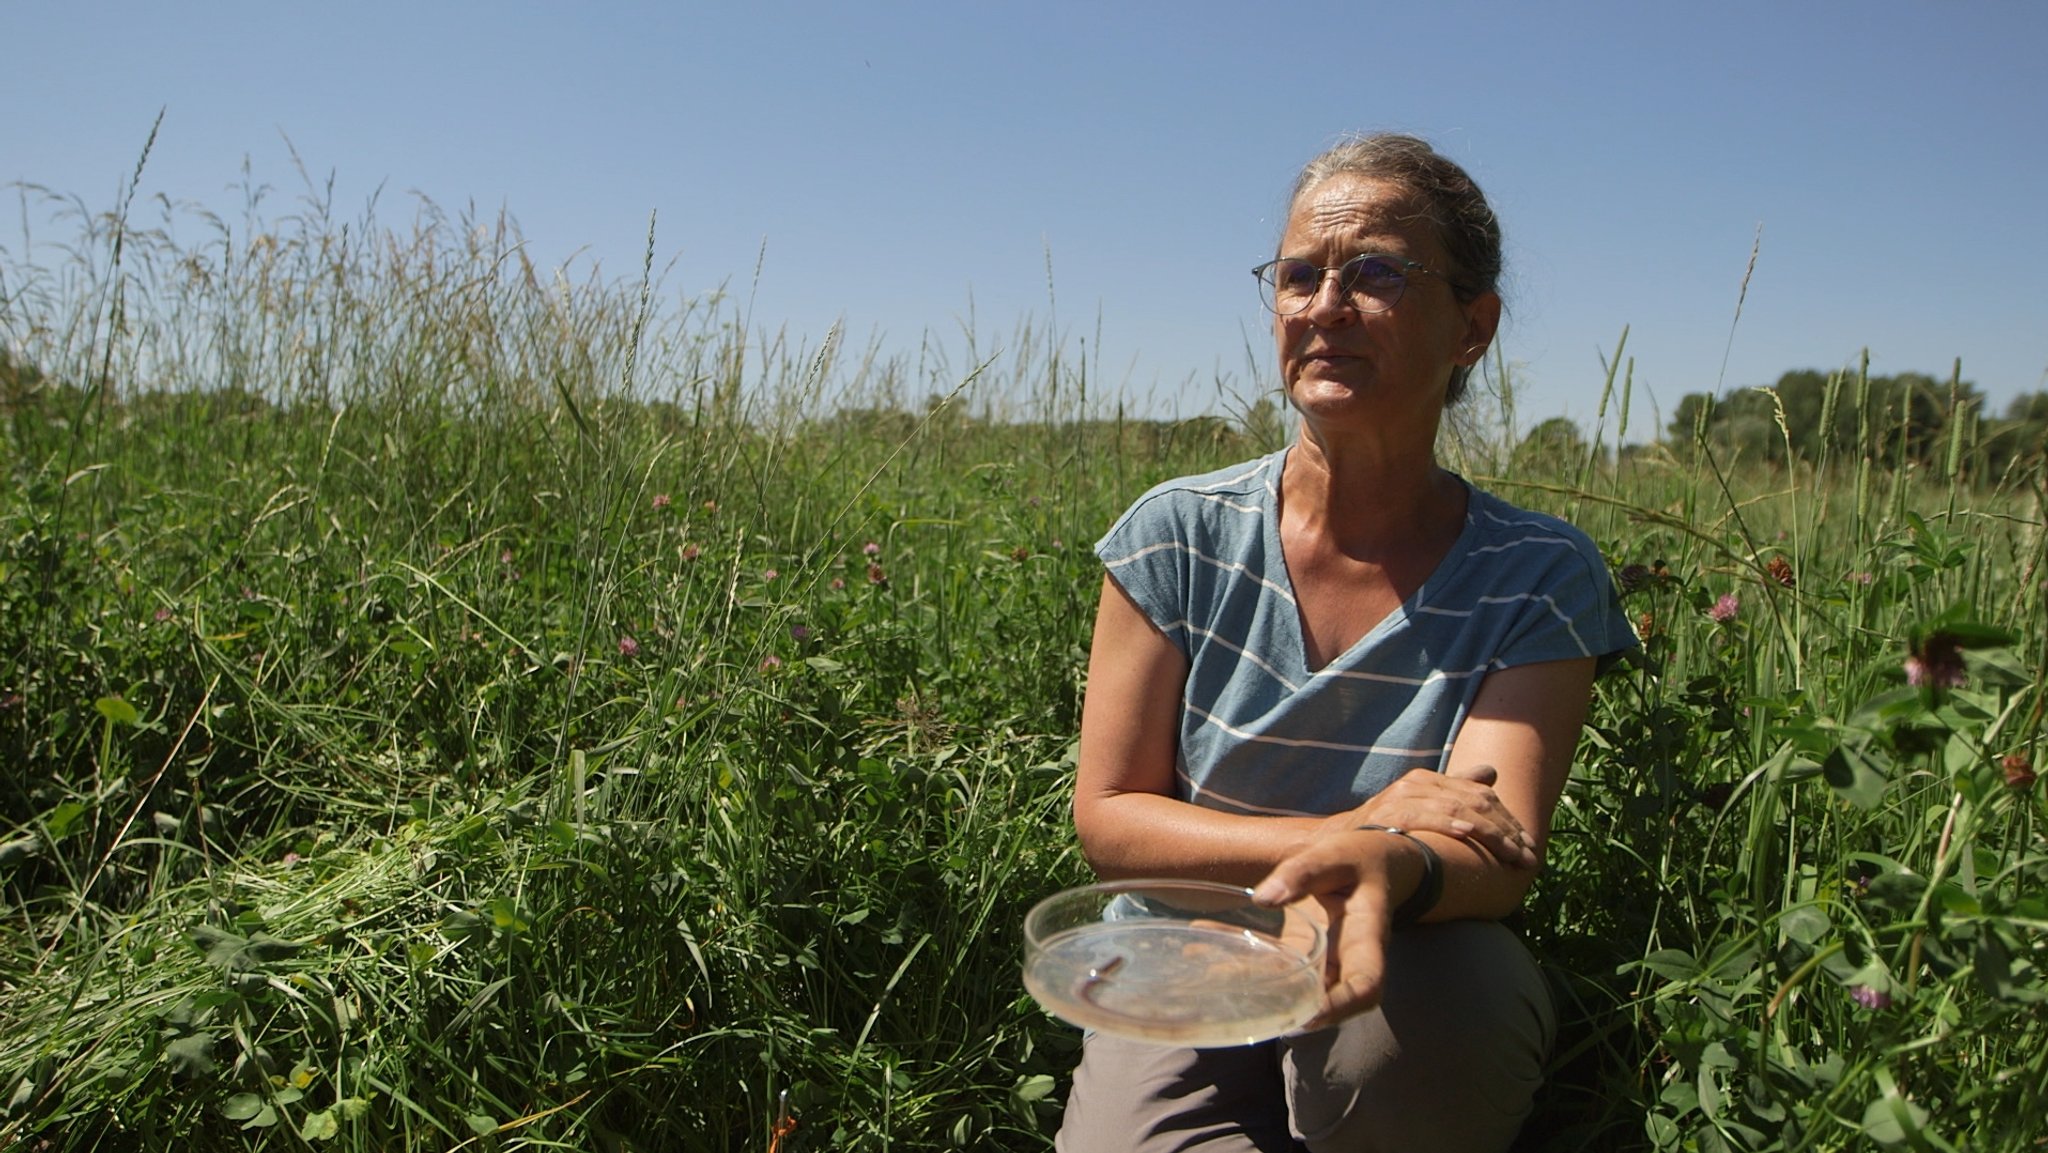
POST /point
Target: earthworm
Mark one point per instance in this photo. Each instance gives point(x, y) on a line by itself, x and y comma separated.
point(1098, 975)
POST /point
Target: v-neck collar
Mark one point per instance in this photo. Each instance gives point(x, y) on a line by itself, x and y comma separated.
point(1460, 548)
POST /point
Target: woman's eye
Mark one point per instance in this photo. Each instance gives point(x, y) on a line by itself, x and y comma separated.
point(1372, 272)
point(1297, 276)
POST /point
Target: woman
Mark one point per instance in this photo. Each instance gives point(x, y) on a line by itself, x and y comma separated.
point(1341, 673)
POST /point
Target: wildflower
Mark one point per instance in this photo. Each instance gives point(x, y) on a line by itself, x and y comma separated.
point(2019, 775)
point(10, 701)
point(1862, 578)
point(1020, 554)
point(1936, 662)
point(769, 574)
point(628, 647)
point(1870, 998)
point(1658, 570)
point(1646, 626)
point(770, 662)
point(691, 552)
point(292, 858)
point(837, 584)
point(1633, 577)
point(1780, 570)
point(163, 614)
point(660, 500)
point(505, 557)
point(799, 633)
point(710, 506)
point(871, 549)
point(1724, 610)
point(1057, 544)
point(875, 574)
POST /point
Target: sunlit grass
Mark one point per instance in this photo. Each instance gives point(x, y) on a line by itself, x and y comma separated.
point(448, 701)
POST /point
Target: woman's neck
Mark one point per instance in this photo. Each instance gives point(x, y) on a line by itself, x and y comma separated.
point(1369, 501)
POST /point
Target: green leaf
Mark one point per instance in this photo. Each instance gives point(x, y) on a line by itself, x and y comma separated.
point(232, 951)
point(1890, 1120)
point(1033, 1088)
point(18, 850)
point(504, 913)
point(1805, 924)
point(1855, 775)
point(1672, 964)
point(1663, 1132)
point(63, 820)
point(191, 1054)
point(320, 1126)
point(480, 1123)
point(1993, 966)
point(352, 1108)
point(242, 1106)
point(118, 711)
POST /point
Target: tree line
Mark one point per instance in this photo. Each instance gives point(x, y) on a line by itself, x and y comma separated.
point(1910, 420)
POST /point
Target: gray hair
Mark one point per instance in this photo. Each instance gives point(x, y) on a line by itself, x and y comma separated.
point(1444, 194)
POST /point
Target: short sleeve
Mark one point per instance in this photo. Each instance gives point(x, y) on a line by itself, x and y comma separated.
point(1145, 552)
point(1571, 610)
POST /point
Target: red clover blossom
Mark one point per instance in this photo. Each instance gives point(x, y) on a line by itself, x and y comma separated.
point(1937, 662)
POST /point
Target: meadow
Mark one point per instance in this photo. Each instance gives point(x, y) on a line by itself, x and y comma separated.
point(450, 705)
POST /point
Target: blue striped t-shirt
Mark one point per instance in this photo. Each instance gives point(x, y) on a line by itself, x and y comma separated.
point(1260, 732)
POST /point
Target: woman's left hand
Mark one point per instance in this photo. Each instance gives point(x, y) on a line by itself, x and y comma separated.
point(1459, 802)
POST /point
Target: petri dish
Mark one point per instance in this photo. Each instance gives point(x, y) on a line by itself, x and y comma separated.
point(1188, 963)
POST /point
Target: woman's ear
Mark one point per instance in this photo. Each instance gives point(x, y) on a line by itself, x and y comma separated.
point(1482, 320)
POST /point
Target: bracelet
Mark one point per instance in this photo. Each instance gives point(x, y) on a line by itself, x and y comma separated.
point(1429, 891)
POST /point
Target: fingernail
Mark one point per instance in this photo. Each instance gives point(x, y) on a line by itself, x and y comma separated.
point(1268, 893)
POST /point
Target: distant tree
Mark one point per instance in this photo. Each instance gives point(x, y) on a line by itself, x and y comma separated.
point(1907, 418)
point(1694, 409)
point(2018, 442)
point(1554, 445)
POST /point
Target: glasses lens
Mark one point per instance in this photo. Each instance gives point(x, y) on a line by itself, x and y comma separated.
point(1373, 283)
point(1289, 284)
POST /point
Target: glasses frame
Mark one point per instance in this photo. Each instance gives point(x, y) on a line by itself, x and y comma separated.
point(1269, 293)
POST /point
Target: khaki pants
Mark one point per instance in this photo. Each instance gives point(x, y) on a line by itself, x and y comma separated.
point(1449, 1063)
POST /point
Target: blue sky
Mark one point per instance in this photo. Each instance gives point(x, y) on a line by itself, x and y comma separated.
point(896, 162)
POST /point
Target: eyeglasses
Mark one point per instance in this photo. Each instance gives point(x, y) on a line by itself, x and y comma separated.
point(1369, 282)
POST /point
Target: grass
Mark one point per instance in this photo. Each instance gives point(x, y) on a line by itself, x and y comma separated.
point(457, 705)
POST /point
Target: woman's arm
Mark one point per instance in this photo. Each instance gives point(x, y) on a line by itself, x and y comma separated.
point(1525, 723)
point(1130, 823)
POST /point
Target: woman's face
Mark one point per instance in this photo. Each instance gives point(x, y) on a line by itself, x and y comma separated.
point(1338, 362)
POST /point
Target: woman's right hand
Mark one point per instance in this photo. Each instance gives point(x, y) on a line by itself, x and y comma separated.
point(1459, 803)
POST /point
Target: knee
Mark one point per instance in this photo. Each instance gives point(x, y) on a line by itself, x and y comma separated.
point(1452, 1058)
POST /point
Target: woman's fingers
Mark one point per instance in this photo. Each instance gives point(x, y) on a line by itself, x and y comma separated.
point(1347, 874)
point(1482, 774)
point(1463, 806)
point(1356, 969)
